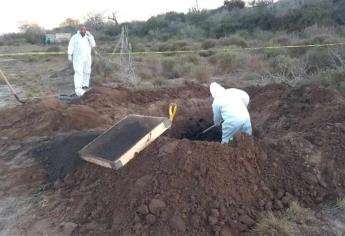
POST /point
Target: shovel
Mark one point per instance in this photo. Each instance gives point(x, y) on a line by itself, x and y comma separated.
point(208, 129)
point(11, 88)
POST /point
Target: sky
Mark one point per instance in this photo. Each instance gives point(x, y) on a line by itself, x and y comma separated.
point(50, 14)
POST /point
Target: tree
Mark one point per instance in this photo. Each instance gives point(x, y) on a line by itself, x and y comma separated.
point(113, 18)
point(32, 32)
point(25, 27)
point(69, 22)
point(95, 20)
point(262, 3)
point(234, 4)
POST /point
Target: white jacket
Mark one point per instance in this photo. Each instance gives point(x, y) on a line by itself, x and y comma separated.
point(80, 47)
point(228, 104)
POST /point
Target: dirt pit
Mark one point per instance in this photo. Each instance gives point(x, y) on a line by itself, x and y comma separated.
point(187, 184)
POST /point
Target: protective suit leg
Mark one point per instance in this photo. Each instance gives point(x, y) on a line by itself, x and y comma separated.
point(229, 129)
point(78, 77)
point(247, 127)
point(86, 73)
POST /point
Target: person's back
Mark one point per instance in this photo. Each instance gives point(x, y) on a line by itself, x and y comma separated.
point(240, 94)
point(231, 105)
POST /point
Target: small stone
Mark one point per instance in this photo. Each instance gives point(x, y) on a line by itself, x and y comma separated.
point(177, 223)
point(261, 203)
point(278, 204)
point(310, 178)
point(68, 227)
point(164, 216)
point(212, 220)
point(167, 148)
point(215, 213)
point(280, 194)
point(156, 206)
point(68, 179)
point(195, 221)
point(225, 231)
point(136, 218)
point(245, 219)
point(287, 199)
point(268, 206)
point(150, 219)
point(57, 184)
point(143, 209)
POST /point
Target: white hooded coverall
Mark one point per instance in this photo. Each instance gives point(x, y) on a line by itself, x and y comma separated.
point(230, 105)
point(80, 48)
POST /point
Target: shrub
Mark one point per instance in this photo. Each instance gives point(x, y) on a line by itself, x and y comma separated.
point(192, 58)
point(334, 78)
point(234, 40)
point(281, 64)
point(169, 68)
point(202, 73)
point(209, 43)
point(281, 40)
point(207, 53)
point(53, 49)
point(180, 45)
point(225, 61)
point(274, 52)
point(319, 59)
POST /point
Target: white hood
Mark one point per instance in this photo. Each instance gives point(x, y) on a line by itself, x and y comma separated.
point(216, 89)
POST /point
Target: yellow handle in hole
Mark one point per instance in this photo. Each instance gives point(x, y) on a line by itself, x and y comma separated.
point(172, 111)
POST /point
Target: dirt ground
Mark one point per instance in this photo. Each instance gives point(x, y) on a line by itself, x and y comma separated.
point(182, 184)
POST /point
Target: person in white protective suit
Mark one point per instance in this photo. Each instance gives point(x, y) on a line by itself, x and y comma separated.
point(230, 106)
point(79, 52)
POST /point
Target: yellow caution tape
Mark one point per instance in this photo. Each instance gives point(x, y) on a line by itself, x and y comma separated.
point(172, 111)
point(183, 51)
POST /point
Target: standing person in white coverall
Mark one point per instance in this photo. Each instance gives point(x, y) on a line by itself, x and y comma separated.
point(230, 105)
point(79, 52)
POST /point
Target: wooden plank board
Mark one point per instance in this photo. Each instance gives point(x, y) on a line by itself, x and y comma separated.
point(119, 144)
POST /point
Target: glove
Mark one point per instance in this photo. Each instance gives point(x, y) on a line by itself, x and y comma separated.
point(88, 36)
point(70, 58)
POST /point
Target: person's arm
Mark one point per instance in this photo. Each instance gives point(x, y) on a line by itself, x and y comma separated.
point(70, 48)
point(91, 39)
point(217, 116)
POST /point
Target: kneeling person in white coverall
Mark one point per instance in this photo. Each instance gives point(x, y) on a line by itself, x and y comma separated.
point(79, 51)
point(230, 105)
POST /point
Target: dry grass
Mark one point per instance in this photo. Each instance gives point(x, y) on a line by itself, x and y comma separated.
point(269, 224)
point(296, 213)
point(341, 203)
point(286, 224)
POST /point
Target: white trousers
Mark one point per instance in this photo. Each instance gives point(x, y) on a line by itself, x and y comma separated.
point(82, 71)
